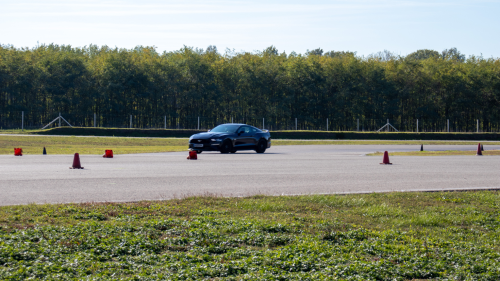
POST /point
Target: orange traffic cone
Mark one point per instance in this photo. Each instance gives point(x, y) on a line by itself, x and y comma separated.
point(479, 153)
point(192, 155)
point(386, 159)
point(108, 154)
point(18, 152)
point(76, 162)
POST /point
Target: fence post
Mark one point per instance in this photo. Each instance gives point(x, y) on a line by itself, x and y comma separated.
point(198, 122)
point(231, 119)
point(165, 120)
point(22, 122)
point(130, 121)
point(59, 119)
point(357, 127)
point(295, 124)
point(477, 126)
point(327, 124)
point(388, 127)
point(263, 124)
point(417, 125)
point(448, 125)
point(95, 120)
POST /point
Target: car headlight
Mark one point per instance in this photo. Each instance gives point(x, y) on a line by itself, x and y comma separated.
point(216, 140)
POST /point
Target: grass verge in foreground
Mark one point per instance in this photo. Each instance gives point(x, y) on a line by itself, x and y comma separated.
point(438, 153)
point(393, 236)
point(120, 145)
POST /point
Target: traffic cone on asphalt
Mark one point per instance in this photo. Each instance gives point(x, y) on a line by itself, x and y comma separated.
point(18, 152)
point(76, 162)
point(479, 153)
point(192, 155)
point(108, 154)
point(44, 151)
point(386, 159)
point(421, 147)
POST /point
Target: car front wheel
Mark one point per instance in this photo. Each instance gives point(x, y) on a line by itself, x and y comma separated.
point(226, 147)
point(261, 146)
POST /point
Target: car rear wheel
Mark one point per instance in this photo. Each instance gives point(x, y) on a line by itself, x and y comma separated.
point(261, 146)
point(226, 147)
point(233, 151)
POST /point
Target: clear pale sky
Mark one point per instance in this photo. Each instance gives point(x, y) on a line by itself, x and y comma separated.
point(362, 26)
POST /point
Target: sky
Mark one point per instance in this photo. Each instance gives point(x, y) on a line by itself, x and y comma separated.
point(365, 27)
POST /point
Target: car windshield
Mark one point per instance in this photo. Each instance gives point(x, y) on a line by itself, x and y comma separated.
point(225, 129)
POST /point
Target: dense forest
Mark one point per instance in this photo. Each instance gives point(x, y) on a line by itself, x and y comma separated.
point(173, 89)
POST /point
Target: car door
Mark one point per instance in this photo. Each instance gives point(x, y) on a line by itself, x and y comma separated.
point(239, 139)
point(244, 137)
point(252, 140)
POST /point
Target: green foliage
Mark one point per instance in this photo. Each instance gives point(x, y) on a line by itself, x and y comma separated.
point(188, 83)
point(423, 55)
point(394, 236)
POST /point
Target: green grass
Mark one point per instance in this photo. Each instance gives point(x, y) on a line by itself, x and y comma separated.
point(296, 135)
point(393, 236)
point(376, 142)
point(89, 145)
point(120, 145)
point(439, 153)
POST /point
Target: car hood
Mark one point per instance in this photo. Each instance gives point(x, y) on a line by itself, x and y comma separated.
point(208, 135)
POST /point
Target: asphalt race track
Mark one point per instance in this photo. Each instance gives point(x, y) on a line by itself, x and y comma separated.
point(282, 170)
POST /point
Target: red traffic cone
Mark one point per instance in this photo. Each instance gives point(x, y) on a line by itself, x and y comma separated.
point(76, 162)
point(386, 159)
point(192, 155)
point(108, 154)
point(18, 152)
point(479, 153)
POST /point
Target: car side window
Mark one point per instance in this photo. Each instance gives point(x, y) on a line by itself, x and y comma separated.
point(253, 130)
point(244, 129)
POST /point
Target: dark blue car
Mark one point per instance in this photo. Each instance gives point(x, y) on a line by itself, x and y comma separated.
point(228, 138)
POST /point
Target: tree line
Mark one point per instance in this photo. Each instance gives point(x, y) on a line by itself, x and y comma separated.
point(174, 88)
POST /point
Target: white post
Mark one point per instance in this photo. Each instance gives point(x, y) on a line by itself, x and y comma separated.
point(388, 127)
point(198, 122)
point(59, 119)
point(417, 125)
point(295, 124)
point(22, 122)
point(477, 126)
point(263, 124)
point(327, 124)
point(358, 126)
point(165, 122)
point(130, 121)
point(231, 119)
point(95, 119)
point(448, 125)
